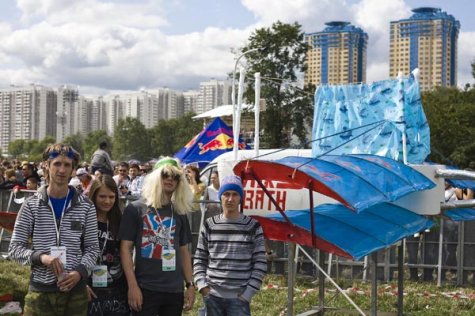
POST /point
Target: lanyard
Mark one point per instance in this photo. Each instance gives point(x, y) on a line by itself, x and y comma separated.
point(99, 259)
point(60, 219)
point(163, 225)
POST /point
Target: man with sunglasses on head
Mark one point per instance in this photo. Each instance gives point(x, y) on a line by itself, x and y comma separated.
point(62, 228)
point(157, 226)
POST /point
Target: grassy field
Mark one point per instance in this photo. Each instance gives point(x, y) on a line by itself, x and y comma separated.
point(419, 298)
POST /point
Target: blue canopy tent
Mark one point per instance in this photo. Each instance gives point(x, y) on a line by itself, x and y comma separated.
point(215, 139)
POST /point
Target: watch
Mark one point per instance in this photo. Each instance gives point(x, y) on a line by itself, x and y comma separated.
point(188, 284)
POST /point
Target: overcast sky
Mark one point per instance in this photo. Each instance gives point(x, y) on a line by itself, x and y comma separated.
point(112, 45)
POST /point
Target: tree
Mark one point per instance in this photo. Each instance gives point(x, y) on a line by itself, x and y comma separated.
point(169, 136)
point(280, 58)
point(131, 140)
point(92, 141)
point(450, 113)
point(77, 142)
point(473, 69)
point(16, 148)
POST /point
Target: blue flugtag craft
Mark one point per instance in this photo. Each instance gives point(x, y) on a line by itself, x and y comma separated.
point(370, 119)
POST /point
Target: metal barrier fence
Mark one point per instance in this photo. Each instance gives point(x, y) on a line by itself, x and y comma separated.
point(420, 258)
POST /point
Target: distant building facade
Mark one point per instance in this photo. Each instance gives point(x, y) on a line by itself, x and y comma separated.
point(213, 93)
point(27, 112)
point(428, 41)
point(336, 55)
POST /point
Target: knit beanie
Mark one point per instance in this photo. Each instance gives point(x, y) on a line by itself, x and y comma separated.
point(231, 183)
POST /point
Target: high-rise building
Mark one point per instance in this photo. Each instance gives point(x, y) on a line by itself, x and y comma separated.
point(190, 101)
point(67, 109)
point(26, 113)
point(336, 55)
point(212, 94)
point(170, 103)
point(428, 41)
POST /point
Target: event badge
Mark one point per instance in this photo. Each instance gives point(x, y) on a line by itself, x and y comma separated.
point(99, 276)
point(168, 260)
point(59, 252)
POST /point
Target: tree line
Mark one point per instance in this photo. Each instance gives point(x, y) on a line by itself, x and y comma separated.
point(130, 140)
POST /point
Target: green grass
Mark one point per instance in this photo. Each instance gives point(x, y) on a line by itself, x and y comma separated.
point(420, 299)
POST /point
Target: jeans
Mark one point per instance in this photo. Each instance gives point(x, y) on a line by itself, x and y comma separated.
point(217, 306)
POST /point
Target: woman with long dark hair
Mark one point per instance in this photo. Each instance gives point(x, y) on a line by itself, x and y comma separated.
point(107, 287)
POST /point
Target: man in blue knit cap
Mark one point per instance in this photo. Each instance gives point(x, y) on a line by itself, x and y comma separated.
point(230, 260)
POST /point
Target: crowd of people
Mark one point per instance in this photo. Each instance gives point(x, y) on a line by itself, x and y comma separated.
point(105, 239)
point(91, 256)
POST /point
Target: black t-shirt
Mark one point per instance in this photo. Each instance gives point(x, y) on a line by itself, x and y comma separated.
point(110, 257)
point(152, 231)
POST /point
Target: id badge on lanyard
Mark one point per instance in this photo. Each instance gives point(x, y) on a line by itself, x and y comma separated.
point(168, 260)
point(99, 276)
point(168, 255)
point(59, 251)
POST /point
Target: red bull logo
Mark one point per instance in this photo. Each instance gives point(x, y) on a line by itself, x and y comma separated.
point(220, 142)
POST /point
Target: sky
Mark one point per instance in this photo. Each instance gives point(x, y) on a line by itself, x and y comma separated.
point(106, 46)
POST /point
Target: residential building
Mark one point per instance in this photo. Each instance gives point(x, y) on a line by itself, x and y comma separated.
point(190, 101)
point(428, 41)
point(336, 55)
point(171, 104)
point(26, 112)
point(67, 109)
point(213, 93)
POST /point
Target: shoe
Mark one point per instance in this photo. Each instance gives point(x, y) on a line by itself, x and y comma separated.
point(11, 307)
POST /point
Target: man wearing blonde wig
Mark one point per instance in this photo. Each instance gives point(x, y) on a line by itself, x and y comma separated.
point(158, 228)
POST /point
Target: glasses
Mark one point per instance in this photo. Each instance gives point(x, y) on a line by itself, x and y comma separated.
point(122, 170)
point(166, 175)
point(54, 154)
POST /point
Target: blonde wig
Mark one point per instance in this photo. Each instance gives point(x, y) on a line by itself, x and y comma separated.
point(152, 190)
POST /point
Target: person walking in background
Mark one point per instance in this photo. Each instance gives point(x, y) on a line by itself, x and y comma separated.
point(101, 160)
point(107, 286)
point(211, 194)
point(196, 186)
point(61, 226)
point(135, 181)
point(230, 262)
point(159, 230)
point(122, 178)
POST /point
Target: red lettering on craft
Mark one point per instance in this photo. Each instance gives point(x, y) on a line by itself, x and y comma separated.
point(270, 204)
point(281, 198)
point(259, 200)
point(248, 196)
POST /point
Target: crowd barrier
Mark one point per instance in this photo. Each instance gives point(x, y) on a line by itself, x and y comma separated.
point(422, 249)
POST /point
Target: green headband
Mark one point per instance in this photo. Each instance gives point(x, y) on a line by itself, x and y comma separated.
point(166, 161)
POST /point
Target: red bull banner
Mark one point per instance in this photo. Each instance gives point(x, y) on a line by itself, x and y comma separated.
point(214, 140)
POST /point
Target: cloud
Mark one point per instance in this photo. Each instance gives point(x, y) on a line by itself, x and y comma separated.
point(114, 45)
point(466, 55)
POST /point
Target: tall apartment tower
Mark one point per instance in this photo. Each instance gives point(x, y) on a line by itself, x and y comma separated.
point(336, 55)
point(428, 41)
point(212, 94)
point(26, 113)
point(190, 101)
point(67, 111)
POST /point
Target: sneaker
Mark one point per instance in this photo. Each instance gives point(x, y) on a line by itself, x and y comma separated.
point(11, 307)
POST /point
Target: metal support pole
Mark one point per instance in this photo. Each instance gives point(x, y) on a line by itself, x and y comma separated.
point(321, 283)
point(374, 283)
point(400, 279)
point(441, 247)
point(460, 253)
point(290, 278)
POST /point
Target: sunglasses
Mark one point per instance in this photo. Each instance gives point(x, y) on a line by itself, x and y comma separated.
point(166, 175)
point(54, 154)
